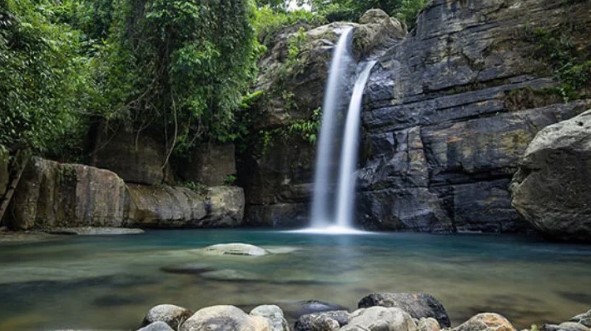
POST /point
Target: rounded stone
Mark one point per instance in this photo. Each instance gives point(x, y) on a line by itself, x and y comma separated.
point(172, 315)
point(380, 319)
point(486, 322)
point(273, 314)
point(156, 326)
point(224, 318)
point(235, 249)
point(418, 305)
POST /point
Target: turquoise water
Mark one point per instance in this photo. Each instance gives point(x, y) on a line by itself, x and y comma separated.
point(109, 282)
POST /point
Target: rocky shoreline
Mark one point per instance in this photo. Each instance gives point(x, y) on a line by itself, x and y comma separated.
point(376, 312)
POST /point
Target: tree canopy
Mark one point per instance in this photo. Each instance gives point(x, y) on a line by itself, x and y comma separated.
point(176, 67)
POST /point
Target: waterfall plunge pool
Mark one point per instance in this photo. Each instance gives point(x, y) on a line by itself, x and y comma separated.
point(109, 282)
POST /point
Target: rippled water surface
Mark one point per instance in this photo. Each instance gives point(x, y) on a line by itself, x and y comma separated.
point(109, 282)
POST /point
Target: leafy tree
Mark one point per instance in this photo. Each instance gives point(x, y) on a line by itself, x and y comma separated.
point(179, 66)
point(42, 77)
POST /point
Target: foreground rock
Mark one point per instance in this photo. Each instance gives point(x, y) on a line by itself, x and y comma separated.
point(274, 315)
point(418, 305)
point(235, 249)
point(156, 326)
point(224, 318)
point(486, 322)
point(172, 315)
point(551, 190)
point(326, 321)
point(584, 319)
point(380, 319)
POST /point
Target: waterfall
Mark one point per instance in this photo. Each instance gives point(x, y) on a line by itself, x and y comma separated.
point(345, 204)
point(328, 211)
point(342, 61)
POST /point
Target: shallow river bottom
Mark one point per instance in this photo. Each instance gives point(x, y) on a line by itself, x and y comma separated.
point(109, 282)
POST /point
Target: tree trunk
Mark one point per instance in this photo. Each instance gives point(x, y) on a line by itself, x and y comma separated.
point(17, 167)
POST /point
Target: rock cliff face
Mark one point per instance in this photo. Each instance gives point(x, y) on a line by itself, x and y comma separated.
point(51, 194)
point(451, 109)
point(551, 190)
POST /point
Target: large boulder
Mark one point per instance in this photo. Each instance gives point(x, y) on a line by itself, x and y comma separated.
point(418, 305)
point(4, 174)
point(164, 207)
point(380, 319)
point(224, 318)
point(172, 315)
point(177, 207)
point(51, 194)
point(551, 190)
point(486, 322)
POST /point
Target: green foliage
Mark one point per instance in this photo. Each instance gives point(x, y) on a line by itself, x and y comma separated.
point(197, 187)
point(267, 21)
point(409, 10)
point(351, 10)
point(571, 66)
point(230, 180)
point(44, 81)
point(179, 66)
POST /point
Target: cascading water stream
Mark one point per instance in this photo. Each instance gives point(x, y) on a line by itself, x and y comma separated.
point(333, 100)
point(330, 214)
point(345, 204)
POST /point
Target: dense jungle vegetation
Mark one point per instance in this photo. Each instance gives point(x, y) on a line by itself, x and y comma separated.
point(177, 67)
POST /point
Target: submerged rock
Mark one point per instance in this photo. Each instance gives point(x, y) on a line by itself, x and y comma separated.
point(232, 275)
point(274, 315)
point(315, 306)
point(235, 249)
point(380, 319)
point(551, 190)
point(172, 315)
point(486, 322)
point(224, 318)
point(418, 305)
